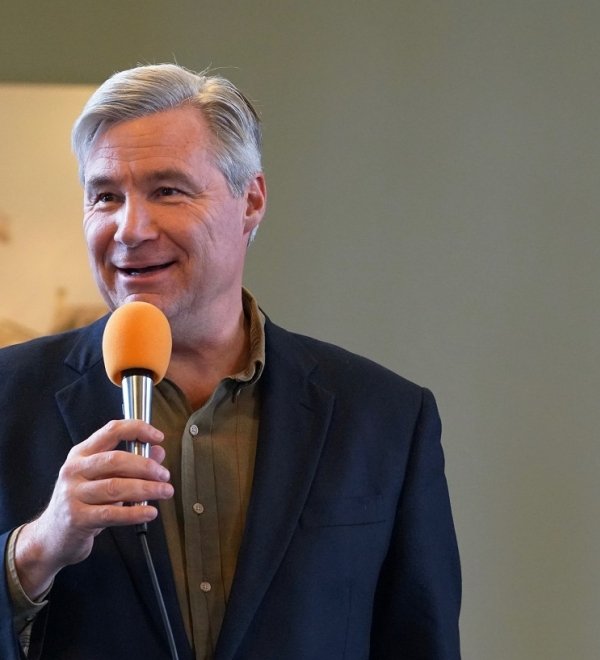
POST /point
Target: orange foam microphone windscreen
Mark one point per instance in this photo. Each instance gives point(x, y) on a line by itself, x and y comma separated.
point(137, 336)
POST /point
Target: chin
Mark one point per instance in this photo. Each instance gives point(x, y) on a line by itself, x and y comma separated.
point(154, 299)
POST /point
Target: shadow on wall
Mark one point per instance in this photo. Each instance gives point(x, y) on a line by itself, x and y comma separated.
point(66, 317)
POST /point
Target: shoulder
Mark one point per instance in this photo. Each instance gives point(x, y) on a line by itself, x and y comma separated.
point(340, 370)
point(42, 358)
point(35, 348)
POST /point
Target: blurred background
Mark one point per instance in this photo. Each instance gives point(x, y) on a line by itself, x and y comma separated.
point(433, 171)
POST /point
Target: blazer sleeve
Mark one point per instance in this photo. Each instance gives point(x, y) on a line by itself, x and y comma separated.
point(10, 648)
point(419, 591)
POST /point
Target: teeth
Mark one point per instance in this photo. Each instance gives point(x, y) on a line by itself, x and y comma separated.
point(139, 271)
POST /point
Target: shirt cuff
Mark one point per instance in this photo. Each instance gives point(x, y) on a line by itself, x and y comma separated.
point(24, 609)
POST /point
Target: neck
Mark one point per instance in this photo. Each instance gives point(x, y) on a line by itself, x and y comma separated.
point(218, 349)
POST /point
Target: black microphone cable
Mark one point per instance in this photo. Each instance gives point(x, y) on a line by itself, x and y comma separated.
point(141, 531)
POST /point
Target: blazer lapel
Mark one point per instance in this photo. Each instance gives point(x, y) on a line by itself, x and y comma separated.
point(130, 548)
point(90, 400)
point(295, 415)
point(87, 404)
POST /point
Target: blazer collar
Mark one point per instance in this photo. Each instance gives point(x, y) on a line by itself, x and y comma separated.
point(294, 420)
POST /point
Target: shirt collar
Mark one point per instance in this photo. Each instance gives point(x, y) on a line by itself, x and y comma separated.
point(256, 360)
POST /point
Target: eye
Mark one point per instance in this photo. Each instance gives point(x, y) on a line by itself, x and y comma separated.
point(103, 198)
point(166, 191)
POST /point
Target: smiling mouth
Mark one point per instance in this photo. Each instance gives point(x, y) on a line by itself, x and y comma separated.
point(143, 271)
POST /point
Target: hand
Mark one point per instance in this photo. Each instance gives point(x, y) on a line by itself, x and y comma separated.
point(92, 486)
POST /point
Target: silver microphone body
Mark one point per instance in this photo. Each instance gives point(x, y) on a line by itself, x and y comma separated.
point(137, 387)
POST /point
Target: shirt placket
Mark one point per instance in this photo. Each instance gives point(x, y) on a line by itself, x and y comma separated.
point(201, 520)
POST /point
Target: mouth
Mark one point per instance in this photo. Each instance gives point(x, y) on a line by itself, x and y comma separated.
point(138, 271)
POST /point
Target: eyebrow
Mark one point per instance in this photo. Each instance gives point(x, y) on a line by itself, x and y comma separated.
point(155, 177)
point(100, 181)
point(171, 174)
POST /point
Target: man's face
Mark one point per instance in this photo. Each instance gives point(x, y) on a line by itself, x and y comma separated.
point(160, 222)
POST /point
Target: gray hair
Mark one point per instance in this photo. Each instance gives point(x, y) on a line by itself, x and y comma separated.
point(144, 90)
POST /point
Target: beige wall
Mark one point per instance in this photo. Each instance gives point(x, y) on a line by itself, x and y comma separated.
point(434, 196)
point(43, 265)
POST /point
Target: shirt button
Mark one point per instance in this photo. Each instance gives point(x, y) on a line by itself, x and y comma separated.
point(193, 429)
point(205, 586)
point(198, 508)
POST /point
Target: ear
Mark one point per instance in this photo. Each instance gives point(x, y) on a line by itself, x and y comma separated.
point(256, 203)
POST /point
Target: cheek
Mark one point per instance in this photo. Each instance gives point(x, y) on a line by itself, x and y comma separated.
point(97, 237)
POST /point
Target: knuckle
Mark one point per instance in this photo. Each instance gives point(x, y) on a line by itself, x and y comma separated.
point(113, 488)
point(68, 469)
point(111, 426)
point(111, 459)
point(149, 489)
point(105, 516)
point(70, 515)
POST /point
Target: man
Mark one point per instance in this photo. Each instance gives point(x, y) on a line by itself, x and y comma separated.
point(304, 512)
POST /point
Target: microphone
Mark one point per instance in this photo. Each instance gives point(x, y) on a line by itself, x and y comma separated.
point(137, 348)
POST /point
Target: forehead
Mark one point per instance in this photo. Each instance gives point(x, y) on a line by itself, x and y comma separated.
point(179, 135)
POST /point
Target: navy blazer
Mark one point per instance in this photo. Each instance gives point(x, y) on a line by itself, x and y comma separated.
point(349, 549)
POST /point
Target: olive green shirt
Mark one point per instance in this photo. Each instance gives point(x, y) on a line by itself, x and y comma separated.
point(210, 454)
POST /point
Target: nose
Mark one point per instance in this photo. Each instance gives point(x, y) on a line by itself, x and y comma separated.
point(134, 223)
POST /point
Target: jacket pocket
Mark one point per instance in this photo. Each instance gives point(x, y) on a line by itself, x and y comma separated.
point(361, 510)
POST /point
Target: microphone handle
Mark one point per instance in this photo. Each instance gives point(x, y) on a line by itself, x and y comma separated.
point(137, 404)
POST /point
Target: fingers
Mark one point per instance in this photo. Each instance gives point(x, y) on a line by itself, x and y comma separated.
point(92, 486)
point(157, 453)
point(111, 434)
point(96, 457)
point(116, 464)
point(96, 479)
point(120, 516)
point(97, 518)
point(117, 490)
